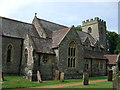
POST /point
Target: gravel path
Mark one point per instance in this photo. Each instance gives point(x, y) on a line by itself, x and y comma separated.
point(69, 84)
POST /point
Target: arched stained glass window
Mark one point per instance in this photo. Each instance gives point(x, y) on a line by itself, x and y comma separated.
point(71, 54)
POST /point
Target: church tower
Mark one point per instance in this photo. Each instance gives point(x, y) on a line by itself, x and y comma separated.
point(97, 28)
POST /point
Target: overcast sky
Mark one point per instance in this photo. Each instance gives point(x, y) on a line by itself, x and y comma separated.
point(63, 12)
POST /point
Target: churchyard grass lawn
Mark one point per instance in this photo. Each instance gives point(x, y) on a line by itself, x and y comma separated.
point(20, 82)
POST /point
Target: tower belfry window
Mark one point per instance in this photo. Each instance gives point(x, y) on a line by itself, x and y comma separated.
point(89, 30)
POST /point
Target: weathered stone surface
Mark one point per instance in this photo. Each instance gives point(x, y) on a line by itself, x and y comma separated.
point(11, 67)
point(85, 78)
point(39, 77)
point(110, 75)
point(46, 68)
point(96, 27)
point(63, 56)
point(57, 75)
point(62, 77)
point(116, 81)
point(1, 76)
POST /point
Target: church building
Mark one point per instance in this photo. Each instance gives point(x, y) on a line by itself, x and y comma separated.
point(50, 48)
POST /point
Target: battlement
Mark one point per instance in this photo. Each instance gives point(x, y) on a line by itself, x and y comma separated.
point(95, 20)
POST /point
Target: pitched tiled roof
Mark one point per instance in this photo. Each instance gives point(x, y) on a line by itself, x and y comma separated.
point(84, 35)
point(43, 45)
point(50, 26)
point(17, 29)
point(94, 55)
point(112, 58)
point(58, 36)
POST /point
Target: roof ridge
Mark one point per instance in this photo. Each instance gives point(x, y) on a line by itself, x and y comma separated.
point(61, 29)
point(87, 33)
point(15, 20)
point(52, 22)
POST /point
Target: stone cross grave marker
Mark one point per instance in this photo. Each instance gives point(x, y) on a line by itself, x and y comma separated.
point(85, 78)
point(39, 77)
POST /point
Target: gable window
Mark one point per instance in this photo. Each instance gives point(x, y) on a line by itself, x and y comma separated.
point(71, 54)
point(9, 49)
point(26, 55)
point(89, 30)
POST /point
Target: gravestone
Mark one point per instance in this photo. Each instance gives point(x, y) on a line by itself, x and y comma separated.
point(1, 76)
point(85, 78)
point(110, 75)
point(57, 75)
point(39, 77)
point(62, 77)
point(116, 81)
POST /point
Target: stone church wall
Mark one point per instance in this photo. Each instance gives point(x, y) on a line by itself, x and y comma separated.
point(27, 63)
point(95, 68)
point(63, 56)
point(11, 67)
point(46, 66)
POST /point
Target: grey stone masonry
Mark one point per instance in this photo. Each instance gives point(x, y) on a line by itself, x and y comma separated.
point(95, 20)
point(97, 29)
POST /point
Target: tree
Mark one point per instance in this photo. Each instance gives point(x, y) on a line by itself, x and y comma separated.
point(78, 27)
point(112, 39)
point(117, 50)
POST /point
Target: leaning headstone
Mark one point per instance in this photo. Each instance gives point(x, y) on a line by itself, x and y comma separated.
point(85, 78)
point(57, 75)
point(39, 77)
point(62, 77)
point(1, 76)
point(110, 75)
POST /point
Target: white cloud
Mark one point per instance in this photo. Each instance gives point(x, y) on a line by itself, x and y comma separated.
point(10, 6)
point(66, 13)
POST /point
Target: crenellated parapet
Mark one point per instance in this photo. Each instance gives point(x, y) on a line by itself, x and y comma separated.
point(93, 21)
